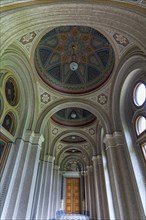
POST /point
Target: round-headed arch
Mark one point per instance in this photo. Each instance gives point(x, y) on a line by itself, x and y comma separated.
point(73, 147)
point(77, 158)
point(73, 102)
point(80, 133)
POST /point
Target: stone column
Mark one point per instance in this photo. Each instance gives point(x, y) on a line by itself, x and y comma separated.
point(86, 194)
point(89, 191)
point(125, 194)
point(47, 200)
point(100, 189)
point(19, 200)
point(92, 193)
point(54, 192)
point(42, 209)
point(58, 201)
point(82, 192)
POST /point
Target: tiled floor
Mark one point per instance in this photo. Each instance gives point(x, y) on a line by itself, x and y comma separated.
point(73, 217)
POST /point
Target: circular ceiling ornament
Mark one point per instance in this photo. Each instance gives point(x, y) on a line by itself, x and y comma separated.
point(74, 59)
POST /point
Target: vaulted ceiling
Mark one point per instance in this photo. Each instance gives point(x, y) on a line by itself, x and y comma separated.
point(70, 54)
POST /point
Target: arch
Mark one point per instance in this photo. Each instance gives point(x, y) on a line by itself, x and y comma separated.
point(15, 60)
point(38, 17)
point(73, 102)
point(1, 105)
point(134, 69)
point(10, 122)
point(74, 132)
point(72, 157)
point(68, 148)
point(129, 70)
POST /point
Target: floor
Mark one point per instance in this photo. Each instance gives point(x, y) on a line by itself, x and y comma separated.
point(73, 217)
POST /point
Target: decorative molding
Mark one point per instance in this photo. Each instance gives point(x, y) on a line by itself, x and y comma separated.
point(92, 131)
point(60, 146)
point(55, 131)
point(28, 38)
point(121, 39)
point(45, 97)
point(102, 99)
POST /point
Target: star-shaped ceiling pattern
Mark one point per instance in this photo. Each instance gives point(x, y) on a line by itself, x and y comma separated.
point(74, 59)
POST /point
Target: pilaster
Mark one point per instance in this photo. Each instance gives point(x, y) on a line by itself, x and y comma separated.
point(126, 199)
point(100, 189)
point(19, 201)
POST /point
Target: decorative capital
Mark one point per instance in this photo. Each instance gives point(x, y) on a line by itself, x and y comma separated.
point(113, 140)
point(34, 138)
point(56, 167)
point(49, 159)
point(97, 159)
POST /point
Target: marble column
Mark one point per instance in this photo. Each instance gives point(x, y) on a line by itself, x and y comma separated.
point(100, 189)
point(19, 201)
point(124, 189)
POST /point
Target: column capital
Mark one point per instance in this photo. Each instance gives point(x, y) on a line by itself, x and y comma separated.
point(97, 158)
point(49, 158)
point(114, 140)
point(56, 167)
point(34, 138)
point(84, 173)
point(89, 167)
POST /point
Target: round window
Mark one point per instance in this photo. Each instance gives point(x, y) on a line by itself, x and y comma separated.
point(139, 94)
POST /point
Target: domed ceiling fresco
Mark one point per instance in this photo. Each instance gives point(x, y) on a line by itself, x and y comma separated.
point(73, 139)
point(73, 117)
point(74, 59)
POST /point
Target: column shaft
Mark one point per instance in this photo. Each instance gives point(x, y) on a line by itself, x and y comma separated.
point(126, 200)
point(100, 189)
point(19, 201)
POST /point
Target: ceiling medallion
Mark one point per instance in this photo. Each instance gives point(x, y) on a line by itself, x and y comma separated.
point(74, 59)
point(73, 66)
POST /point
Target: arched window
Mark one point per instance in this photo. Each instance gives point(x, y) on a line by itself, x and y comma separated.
point(9, 122)
point(11, 91)
point(133, 116)
point(139, 94)
point(139, 114)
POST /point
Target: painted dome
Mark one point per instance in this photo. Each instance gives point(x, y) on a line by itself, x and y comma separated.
point(73, 139)
point(73, 117)
point(74, 59)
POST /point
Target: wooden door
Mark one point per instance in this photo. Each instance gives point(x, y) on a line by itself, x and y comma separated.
point(72, 195)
